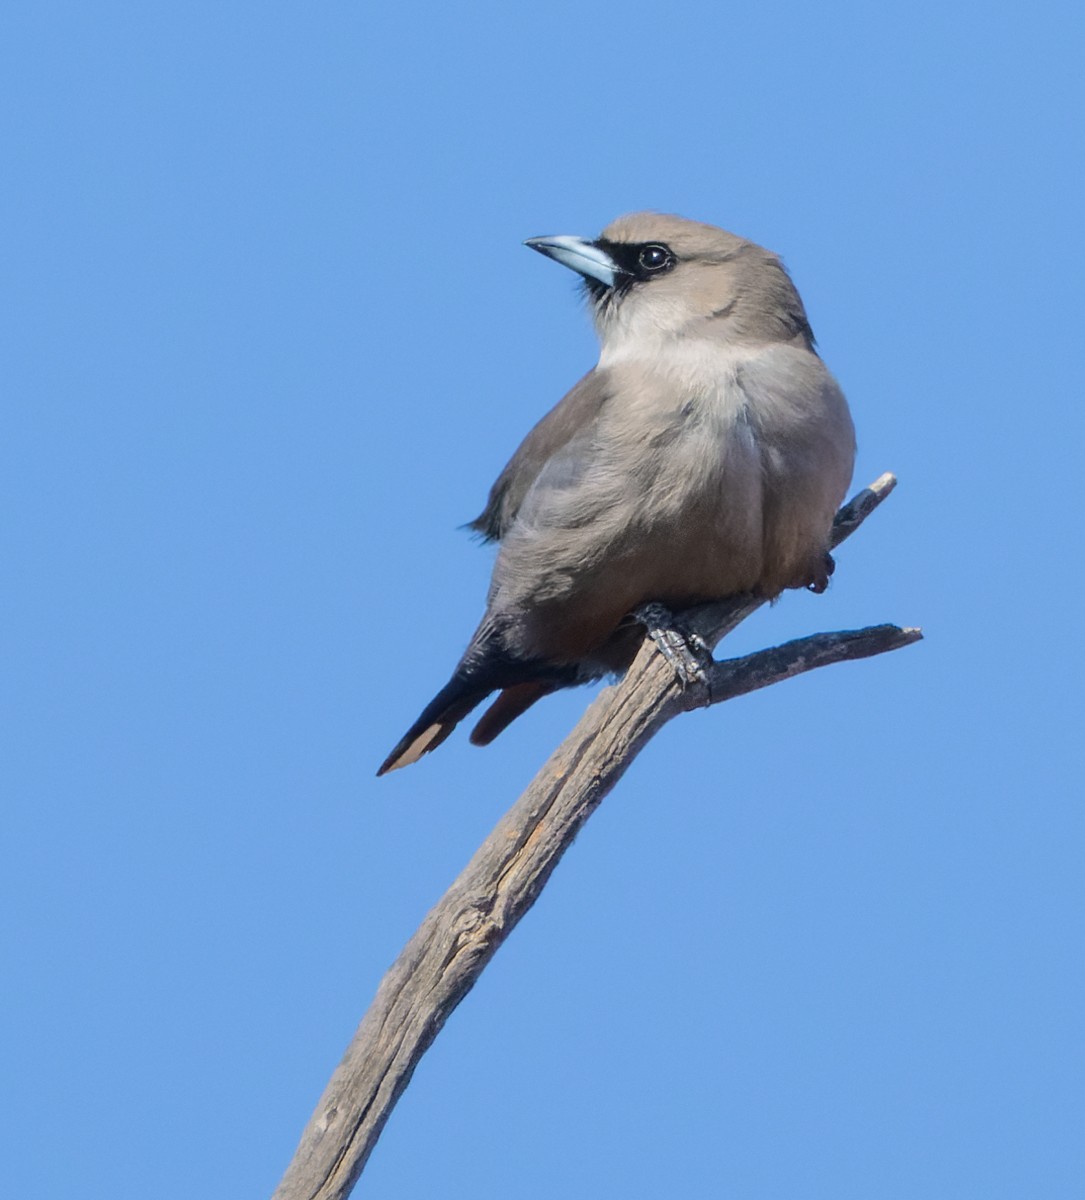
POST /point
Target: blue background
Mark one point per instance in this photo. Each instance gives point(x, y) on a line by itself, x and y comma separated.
point(268, 335)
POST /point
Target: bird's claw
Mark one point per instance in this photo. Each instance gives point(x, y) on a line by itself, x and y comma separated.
point(686, 651)
point(820, 581)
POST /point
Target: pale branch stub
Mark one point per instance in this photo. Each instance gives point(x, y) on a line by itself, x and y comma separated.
point(446, 955)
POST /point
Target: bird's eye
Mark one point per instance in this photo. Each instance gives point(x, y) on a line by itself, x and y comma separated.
point(652, 258)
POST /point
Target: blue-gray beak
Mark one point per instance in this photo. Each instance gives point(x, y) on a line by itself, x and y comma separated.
point(580, 255)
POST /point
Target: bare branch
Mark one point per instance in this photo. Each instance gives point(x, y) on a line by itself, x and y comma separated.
point(444, 958)
point(737, 676)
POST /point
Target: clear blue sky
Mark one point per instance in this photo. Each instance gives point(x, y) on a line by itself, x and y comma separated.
point(268, 335)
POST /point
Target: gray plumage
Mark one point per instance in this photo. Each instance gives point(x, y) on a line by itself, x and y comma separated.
point(704, 456)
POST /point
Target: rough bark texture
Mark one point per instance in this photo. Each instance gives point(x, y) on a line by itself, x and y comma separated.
point(459, 936)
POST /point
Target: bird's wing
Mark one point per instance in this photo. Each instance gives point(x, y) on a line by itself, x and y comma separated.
point(571, 416)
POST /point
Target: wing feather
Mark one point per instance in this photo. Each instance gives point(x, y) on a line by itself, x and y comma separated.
point(577, 410)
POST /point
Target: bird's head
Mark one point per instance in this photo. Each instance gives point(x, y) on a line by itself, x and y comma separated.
point(651, 277)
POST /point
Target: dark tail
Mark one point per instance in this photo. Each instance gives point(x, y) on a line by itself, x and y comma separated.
point(486, 667)
point(512, 702)
point(443, 713)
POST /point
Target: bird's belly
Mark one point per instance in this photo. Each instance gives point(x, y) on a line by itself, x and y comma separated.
point(685, 528)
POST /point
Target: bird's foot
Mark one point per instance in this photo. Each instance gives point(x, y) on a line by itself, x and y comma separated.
point(686, 651)
point(819, 581)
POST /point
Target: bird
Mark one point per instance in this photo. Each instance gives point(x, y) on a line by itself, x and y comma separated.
point(704, 456)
